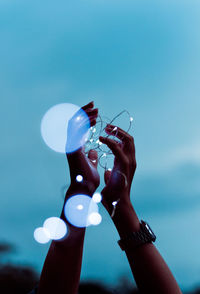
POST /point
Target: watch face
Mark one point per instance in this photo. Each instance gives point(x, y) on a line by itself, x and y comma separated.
point(147, 227)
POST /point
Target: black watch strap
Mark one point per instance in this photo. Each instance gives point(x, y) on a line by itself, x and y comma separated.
point(136, 239)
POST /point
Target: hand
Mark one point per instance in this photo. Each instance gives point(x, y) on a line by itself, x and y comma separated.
point(79, 163)
point(118, 181)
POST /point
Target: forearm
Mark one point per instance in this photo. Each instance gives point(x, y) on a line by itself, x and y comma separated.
point(151, 273)
point(62, 267)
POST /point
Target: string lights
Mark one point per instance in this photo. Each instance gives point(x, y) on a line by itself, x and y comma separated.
point(104, 153)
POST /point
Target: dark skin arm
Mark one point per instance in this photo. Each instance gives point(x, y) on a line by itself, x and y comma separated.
point(151, 273)
point(62, 267)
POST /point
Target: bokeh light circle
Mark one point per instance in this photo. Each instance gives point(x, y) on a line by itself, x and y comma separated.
point(94, 218)
point(96, 197)
point(56, 227)
point(78, 208)
point(65, 127)
point(41, 235)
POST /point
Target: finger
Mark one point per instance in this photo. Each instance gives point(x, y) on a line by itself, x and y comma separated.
point(118, 132)
point(127, 139)
point(107, 176)
point(89, 105)
point(93, 157)
point(93, 122)
point(92, 112)
point(114, 146)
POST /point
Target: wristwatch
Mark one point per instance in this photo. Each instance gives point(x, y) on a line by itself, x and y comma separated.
point(136, 239)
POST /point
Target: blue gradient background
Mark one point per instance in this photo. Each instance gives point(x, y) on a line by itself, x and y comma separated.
point(143, 56)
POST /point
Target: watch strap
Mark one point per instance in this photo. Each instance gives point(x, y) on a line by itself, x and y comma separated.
point(136, 239)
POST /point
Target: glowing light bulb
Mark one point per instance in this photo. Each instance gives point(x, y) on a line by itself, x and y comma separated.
point(79, 178)
point(114, 203)
point(95, 218)
point(115, 129)
point(97, 197)
point(131, 118)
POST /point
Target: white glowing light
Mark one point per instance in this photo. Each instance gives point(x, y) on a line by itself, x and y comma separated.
point(100, 143)
point(60, 120)
point(114, 203)
point(56, 228)
point(94, 130)
point(79, 178)
point(104, 155)
point(115, 128)
point(97, 141)
point(76, 216)
point(95, 218)
point(79, 207)
point(131, 118)
point(91, 140)
point(109, 169)
point(97, 197)
point(94, 160)
point(41, 235)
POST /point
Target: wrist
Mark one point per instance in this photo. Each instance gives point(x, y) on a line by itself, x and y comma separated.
point(125, 218)
point(85, 188)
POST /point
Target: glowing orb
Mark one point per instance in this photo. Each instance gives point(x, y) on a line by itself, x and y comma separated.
point(41, 235)
point(114, 203)
point(56, 227)
point(95, 218)
point(65, 127)
point(79, 178)
point(97, 197)
point(78, 208)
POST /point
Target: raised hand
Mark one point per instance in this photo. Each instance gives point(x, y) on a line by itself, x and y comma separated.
point(79, 163)
point(118, 181)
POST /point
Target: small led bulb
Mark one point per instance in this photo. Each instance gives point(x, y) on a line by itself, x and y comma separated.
point(94, 130)
point(131, 118)
point(114, 203)
point(79, 178)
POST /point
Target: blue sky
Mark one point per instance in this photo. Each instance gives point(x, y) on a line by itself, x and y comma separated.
point(143, 56)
